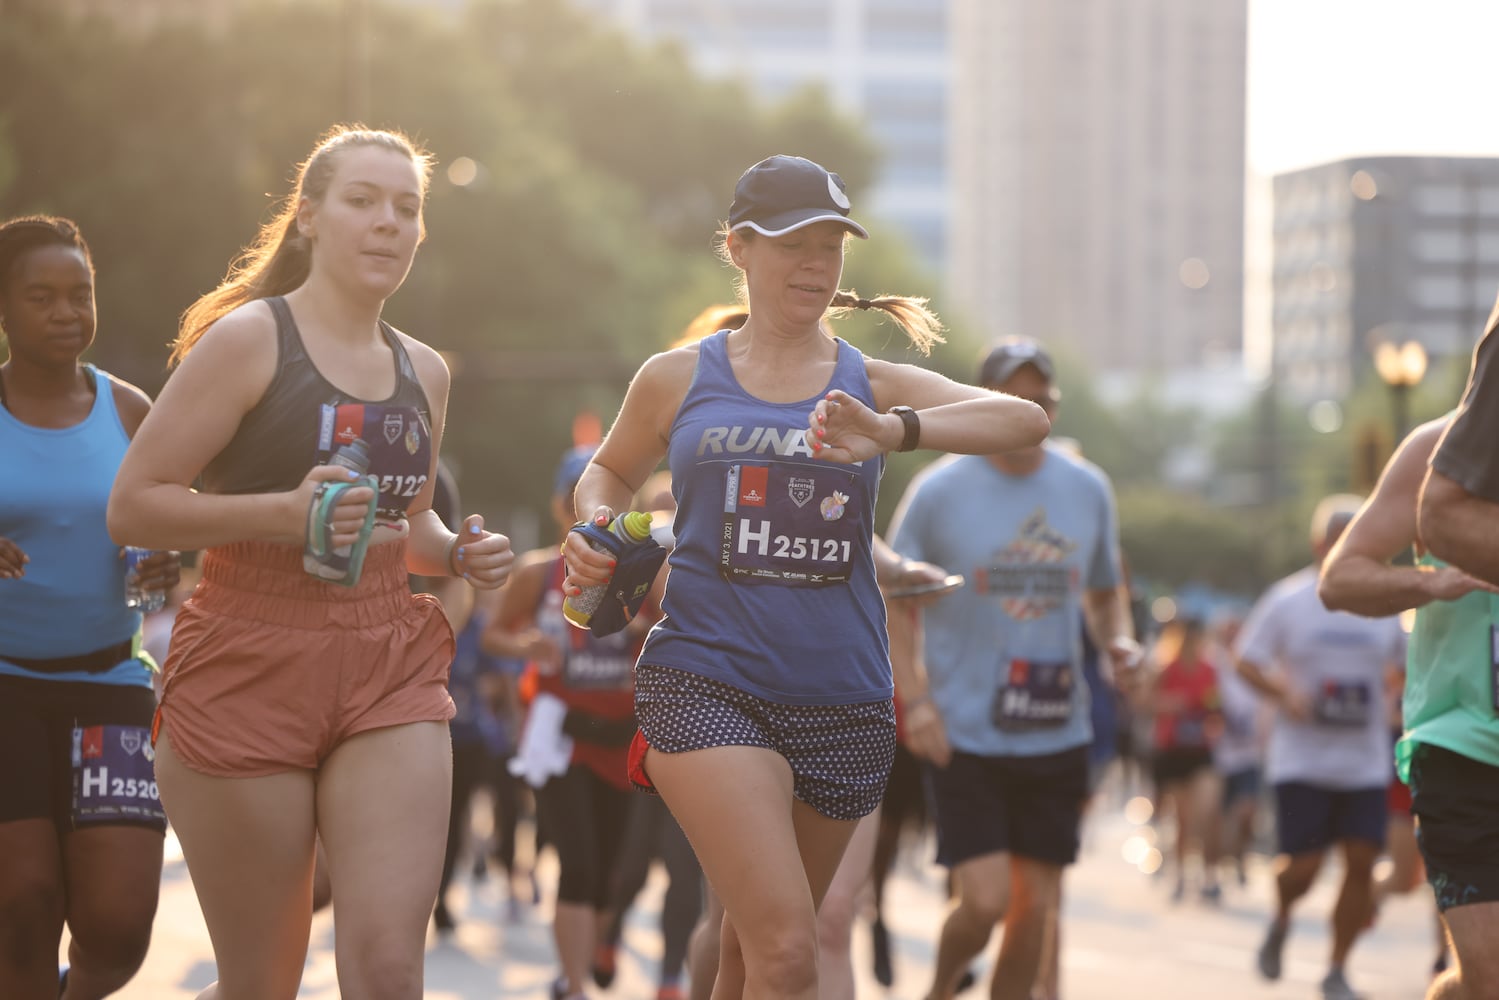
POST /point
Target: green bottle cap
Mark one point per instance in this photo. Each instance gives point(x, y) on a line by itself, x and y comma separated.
point(637, 525)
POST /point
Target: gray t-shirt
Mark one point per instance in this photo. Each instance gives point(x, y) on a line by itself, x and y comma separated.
point(1340, 662)
point(1004, 653)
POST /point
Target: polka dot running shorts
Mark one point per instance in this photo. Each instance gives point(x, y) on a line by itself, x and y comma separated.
point(840, 755)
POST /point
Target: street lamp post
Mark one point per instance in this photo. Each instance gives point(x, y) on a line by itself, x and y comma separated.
point(1401, 366)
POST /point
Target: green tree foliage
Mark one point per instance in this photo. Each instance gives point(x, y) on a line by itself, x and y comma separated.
point(582, 244)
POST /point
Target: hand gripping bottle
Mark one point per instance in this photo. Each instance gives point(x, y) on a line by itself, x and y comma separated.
point(630, 528)
point(342, 564)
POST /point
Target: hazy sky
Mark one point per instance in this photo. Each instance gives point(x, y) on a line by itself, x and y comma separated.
point(1335, 78)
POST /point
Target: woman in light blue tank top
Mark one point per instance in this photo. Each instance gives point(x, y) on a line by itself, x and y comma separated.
point(764, 694)
point(77, 793)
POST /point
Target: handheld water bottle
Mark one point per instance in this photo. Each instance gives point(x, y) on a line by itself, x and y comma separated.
point(630, 528)
point(341, 564)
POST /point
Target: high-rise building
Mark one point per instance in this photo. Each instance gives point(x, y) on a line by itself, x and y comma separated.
point(887, 61)
point(1097, 175)
point(1379, 249)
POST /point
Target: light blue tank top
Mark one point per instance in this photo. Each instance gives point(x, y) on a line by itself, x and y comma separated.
point(772, 586)
point(53, 494)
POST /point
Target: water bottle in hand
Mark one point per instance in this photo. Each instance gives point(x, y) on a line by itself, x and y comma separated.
point(341, 564)
point(631, 528)
point(138, 597)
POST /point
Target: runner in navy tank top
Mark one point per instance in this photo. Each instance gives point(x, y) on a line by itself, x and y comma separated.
point(764, 695)
point(80, 821)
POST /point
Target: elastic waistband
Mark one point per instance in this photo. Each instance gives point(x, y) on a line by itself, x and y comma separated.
point(265, 581)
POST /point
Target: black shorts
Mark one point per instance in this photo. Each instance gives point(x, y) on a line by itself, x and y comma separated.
point(840, 755)
point(1312, 818)
point(1456, 803)
point(1028, 806)
point(77, 753)
point(904, 804)
point(1173, 764)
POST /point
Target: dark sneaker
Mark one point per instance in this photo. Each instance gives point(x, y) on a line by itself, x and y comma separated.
point(1212, 894)
point(1335, 987)
point(883, 973)
point(967, 979)
point(603, 966)
point(1269, 956)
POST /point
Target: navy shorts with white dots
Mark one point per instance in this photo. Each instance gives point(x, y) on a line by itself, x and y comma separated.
point(840, 755)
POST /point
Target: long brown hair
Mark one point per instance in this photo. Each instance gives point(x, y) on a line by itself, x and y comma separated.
point(279, 259)
point(920, 324)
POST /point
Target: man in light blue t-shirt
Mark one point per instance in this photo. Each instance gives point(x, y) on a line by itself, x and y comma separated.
point(1001, 711)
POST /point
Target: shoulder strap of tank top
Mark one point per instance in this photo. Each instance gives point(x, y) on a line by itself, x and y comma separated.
point(288, 337)
point(852, 365)
point(713, 355)
point(403, 360)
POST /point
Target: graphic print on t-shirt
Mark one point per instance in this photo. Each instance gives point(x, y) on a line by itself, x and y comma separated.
point(1033, 581)
point(1030, 575)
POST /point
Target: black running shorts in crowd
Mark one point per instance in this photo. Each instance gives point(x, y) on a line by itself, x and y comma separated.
point(585, 819)
point(87, 753)
point(1030, 807)
point(1456, 799)
point(1175, 764)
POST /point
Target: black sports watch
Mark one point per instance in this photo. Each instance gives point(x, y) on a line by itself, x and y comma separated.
point(912, 424)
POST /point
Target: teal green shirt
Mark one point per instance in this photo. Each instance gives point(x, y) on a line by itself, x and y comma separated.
point(1449, 680)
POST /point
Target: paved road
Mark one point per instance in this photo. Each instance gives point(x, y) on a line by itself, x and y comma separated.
point(1124, 939)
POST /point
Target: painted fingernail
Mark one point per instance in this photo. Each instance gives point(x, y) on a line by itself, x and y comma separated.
point(820, 418)
point(460, 553)
point(474, 529)
point(611, 563)
point(820, 432)
point(352, 474)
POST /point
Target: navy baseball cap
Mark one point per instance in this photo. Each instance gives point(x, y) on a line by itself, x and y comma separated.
point(781, 194)
point(1009, 356)
point(570, 469)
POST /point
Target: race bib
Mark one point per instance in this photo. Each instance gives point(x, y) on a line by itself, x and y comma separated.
point(790, 524)
point(1035, 695)
point(114, 775)
point(1343, 703)
point(400, 445)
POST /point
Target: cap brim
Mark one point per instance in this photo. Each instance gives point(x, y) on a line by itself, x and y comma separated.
point(783, 225)
point(1003, 371)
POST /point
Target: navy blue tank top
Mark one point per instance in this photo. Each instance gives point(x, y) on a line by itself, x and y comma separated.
point(772, 586)
point(303, 418)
